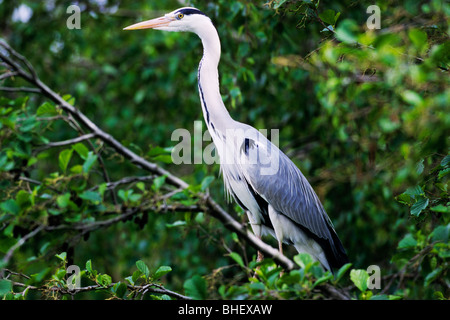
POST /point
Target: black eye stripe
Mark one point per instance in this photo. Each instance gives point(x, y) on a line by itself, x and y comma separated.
point(190, 11)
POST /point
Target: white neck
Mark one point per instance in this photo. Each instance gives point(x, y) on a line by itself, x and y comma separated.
point(214, 111)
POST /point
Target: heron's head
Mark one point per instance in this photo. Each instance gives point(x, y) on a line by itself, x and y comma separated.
point(183, 19)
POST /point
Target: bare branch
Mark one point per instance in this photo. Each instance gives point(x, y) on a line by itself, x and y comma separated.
point(20, 89)
point(8, 75)
point(19, 243)
point(142, 289)
point(66, 142)
point(127, 180)
point(16, 66)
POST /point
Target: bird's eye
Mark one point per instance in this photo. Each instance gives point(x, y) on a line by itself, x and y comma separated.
point(180, 16)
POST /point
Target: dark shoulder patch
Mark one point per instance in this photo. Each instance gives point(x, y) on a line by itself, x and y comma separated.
point(247, 145)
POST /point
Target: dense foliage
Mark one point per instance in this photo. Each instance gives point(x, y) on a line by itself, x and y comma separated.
point(364, 113)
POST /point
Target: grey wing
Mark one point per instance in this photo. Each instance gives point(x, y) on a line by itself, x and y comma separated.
point(276, 178)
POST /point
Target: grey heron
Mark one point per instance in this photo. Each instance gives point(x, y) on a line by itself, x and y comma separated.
point(268, 186)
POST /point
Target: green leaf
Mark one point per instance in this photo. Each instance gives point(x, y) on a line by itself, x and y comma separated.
point(104, 279)
point(420, 166)
point(135, 276)
point(304, 260)
point(10, 206)
point(68, 98)
point(346, 31)
point(177, 223)
point(89, 266)
point(359, 277)
point(279, 3)
point(414, 191)
point(236, 257)
point(441, 208)
point(163, 270)
point(64, 158)
point(62, 256)
point(91, 196)
point(420, 205)
point(158, 182)
point(63, 201)
point(156, 151)
point(142, 267)
point(407, 242)
point(418, 38)
point(404, 198)
point(328, 16)
point(323, 279)
point(166, 158)
point(5, 287)
point(141, 186)
point(23, 199)
point(443, 173)
point(195, 288)
point(5, 165)
point(336, 17)
point(379, 297)
point(441, 234)
point(81, 149)
point(119, 289)
point(433, 275)
point(46, 109)
point(446, 160)
point(342, 271)
point(28, 124)
point(130, 280)
point(412, 97)
point(89, 162)
point(206, 182)
point(122, 194)
point(134, 197)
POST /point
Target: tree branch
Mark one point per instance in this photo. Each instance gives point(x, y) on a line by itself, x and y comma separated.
point(142, 289)
point(8, 75)
point(65, 142)
point(212, 207)
point(11, 250)
point(20, 89)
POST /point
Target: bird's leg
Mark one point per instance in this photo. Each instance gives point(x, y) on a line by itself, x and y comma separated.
point(280, 248)
point(260, 257)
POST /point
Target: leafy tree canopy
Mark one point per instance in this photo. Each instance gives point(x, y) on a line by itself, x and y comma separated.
point(93, 207)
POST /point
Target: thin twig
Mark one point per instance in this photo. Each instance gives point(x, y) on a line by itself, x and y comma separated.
point(65, 142)
point(127, 180)
point(20, 89)
point(151, 287)
point(20, 243)
point(8, 75)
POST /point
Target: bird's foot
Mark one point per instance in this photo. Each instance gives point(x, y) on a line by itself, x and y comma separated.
point(259, 258)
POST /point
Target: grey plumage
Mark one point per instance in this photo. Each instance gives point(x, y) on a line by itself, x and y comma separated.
point(285, 192)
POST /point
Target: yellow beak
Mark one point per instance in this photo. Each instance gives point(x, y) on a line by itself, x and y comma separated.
point(150, 24)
